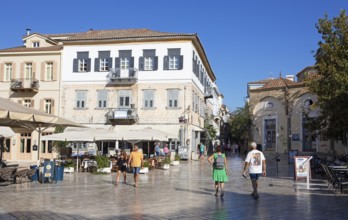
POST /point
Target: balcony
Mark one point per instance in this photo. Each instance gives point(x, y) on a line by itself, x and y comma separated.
point(24, 85)
point(121, 116)
point(208, 92)
point(118, 76)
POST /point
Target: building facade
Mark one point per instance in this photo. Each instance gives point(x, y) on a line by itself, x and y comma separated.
point(278, 107)
point(123, 79)
point(30, 76)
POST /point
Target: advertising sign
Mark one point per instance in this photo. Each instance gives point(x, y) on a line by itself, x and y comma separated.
point(302, 167)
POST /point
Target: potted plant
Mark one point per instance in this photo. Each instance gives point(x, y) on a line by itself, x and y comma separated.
point(104, 165)
point(69, 166)
point(176, 160)
point(166, 163)
point(145, 168)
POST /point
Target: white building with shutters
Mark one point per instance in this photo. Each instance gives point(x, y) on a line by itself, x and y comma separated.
point(137, 78)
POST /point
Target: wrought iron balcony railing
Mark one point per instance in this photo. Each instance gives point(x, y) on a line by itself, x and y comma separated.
point(122, 114)
point(22, 84)
point(123, 76)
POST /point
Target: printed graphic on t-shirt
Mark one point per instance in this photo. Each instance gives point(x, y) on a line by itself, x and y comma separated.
point(256, 159)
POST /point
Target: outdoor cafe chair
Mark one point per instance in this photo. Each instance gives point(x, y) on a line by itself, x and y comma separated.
point(339, 182)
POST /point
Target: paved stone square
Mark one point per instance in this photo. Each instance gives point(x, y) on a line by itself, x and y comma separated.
point(183, 192)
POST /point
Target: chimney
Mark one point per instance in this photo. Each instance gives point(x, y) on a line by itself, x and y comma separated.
point(28, 31)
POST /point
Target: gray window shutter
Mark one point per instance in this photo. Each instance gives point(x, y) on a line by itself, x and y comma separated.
point(165, 63)
point(149, 53)
point(131, 62)
point(117, 62)
point(141, 63)
point(155, 63)
point(88, 61)
point(103, 54)
point(174, 52)
point(96, 64)
point(110, 62)
point(75, 65)
point(181, 62)
point(125, 53)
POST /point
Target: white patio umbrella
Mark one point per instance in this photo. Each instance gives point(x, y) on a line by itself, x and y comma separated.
point(16, 115)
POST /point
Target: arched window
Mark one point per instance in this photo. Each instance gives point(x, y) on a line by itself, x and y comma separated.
point(269, 105)
point(308, 102)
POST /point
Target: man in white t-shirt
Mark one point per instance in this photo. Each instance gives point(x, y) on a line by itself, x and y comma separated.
point(256, 162)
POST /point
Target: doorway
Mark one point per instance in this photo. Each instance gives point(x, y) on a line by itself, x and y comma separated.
point(270, 134)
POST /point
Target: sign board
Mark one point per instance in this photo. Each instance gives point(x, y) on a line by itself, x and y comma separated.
point(120, 114)
point(292, 154)
point(35, 147)
point(295, 137)
point(302, 167)
point(48, 169)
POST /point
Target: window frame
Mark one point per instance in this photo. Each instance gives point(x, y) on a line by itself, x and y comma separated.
point(173, 98)
point(80, 99)
point(149, 99)
point(8, 71)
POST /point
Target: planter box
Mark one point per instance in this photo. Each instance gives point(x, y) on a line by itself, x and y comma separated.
point(175, 163)
point(69, 169)
point(104, 170)
point(165, 166)
point(144, 170)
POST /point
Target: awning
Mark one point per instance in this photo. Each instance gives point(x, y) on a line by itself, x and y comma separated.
point(6, 132)
point(171, 130)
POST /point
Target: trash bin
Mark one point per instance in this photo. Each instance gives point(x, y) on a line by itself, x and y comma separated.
point(59, 173)
point(35, 177)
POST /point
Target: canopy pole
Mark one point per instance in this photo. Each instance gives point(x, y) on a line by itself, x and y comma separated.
point(39, 143)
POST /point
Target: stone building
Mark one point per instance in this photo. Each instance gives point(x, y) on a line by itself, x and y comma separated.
point(278, 106)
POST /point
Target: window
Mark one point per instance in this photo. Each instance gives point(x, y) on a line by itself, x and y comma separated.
point(28, 71)
point(149, 98)
point(102, 98)
point(82, 63)
point(81, 97)
point(49, 71)
point(124, 97)
point(8, 71)
point(269, 106)
point(174, 61)
point(103, 62)
point(149, 60)
point(308, 102)
point(8, 145)
point(48, 106)
point(36, 44)
point(27, 102)
point(124, 62)
point(173, 98)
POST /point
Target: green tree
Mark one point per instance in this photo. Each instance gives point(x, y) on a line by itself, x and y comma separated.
point(240, 124)
point(331, 83)
point(57, 145)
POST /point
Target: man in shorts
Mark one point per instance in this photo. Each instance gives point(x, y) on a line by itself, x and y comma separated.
point(136, 161)
point(256, 162)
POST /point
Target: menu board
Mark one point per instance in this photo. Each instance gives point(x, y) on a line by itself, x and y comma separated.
point(302, 167)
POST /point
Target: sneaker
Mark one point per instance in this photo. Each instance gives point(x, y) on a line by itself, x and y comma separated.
point(256, 196)
point(252, 195)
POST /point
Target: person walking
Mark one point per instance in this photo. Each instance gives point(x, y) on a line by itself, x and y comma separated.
point(256, 162)
point(201, 151)
point(122, 167)
point(219, 162)
point(136, 161)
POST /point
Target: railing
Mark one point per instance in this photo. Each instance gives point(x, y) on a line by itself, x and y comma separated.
point(25, 84)
point(119, 75)
point(121, 114)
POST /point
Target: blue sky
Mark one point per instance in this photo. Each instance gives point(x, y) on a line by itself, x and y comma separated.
point(245, 40)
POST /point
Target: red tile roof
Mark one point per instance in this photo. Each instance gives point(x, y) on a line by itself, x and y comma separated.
point(277, 83)
point(121, 34)
point(32, 49)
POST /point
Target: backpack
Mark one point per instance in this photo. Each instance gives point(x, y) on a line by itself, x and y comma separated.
point(219, 161)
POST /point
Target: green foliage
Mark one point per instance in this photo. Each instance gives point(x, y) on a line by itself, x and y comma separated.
point(240, 124)
point(211, 130)
point(177, 157)
point(70, 163)
point(102, 161)
point(146, 163)
point(166, 160)
point(57, 145)
point(331, 84)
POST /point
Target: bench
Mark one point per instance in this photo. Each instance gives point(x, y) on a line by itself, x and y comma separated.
point(7, 174)
point(20, 174)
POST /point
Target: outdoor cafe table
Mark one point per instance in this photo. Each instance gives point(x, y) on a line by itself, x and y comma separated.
point(338, 167)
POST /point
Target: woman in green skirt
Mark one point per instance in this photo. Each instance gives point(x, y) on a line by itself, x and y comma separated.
point(219, 162)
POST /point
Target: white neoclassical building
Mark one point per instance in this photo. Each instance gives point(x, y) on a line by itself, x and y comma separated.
point(133, 79)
